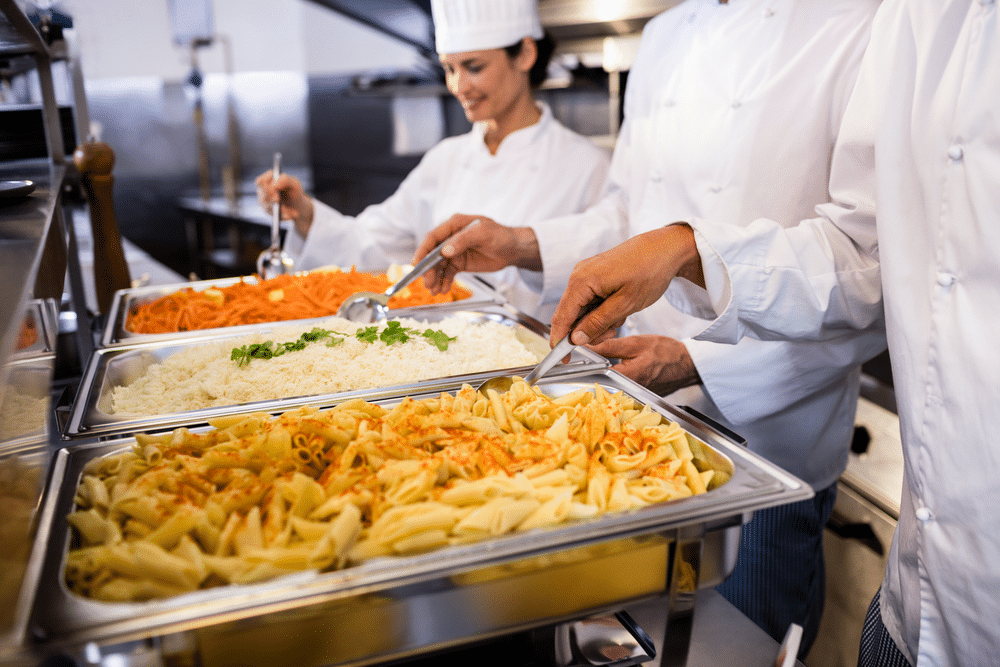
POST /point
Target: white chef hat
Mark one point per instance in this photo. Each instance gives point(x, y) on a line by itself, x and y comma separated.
point(476, 25)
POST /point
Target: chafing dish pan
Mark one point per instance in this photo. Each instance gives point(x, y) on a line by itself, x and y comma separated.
point(115, 333)
point(26, 380)
point(107, 368)
point(388, 608)
point(38, 331)
point(25, 403)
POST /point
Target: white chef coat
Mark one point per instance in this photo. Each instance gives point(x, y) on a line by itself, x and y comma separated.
point(538, 172)
point(731, 112)
point(923, 132)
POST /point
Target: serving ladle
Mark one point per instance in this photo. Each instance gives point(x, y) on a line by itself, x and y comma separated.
point(371, 307)
point(274, 261)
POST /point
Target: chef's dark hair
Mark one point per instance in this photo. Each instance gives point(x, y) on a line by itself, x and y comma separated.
point(540, 70)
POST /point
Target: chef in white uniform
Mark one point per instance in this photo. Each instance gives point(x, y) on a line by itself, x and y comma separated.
point(731, 113)
point(517, 163)
point(916, 222)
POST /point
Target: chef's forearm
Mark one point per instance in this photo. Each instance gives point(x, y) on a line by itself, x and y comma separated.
point(525, 253)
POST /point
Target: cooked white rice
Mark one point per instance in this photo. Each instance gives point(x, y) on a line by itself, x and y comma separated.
point(205, 376)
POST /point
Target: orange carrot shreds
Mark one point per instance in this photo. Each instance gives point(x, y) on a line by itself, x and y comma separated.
point(28, 335)
point(285, 297)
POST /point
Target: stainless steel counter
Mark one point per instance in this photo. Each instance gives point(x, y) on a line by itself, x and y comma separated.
point(26, 226)
point(877, 473)
point(859, 533)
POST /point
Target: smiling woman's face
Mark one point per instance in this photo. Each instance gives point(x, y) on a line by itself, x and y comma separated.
point(487, 83)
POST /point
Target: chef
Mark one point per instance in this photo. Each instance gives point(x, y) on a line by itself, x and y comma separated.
point(731, 112)
point(921, 131)
point(518, 162)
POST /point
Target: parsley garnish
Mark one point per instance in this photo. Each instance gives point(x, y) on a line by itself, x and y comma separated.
point(367, 335)
point(439, 338)
point(315, 335)
point(394, 332)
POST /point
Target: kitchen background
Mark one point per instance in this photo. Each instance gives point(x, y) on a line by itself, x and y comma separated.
point(349, 92)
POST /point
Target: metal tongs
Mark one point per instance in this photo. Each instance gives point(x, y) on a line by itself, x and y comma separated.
point(502, 383)
point(274, 261)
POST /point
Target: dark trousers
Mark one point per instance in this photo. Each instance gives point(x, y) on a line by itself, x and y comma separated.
point(780, 577)
point(877, 646)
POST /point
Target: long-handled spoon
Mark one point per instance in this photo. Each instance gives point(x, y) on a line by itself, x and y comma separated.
point(374, 306)
point(274, 261)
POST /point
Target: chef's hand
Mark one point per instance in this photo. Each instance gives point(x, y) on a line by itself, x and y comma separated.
point(296, 205)
point(658, 363)
point(477, 243)
point(624, 280)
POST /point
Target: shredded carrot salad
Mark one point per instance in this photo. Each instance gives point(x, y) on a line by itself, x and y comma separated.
point(286, 297)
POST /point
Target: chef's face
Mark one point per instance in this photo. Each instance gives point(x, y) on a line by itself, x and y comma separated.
point(488, 83)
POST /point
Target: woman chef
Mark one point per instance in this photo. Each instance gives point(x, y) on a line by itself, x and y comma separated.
point(518, 163)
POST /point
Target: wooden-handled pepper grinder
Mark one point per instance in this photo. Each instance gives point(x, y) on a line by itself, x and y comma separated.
point(95, 161)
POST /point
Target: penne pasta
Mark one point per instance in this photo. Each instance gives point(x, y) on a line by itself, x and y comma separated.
point(256, 497)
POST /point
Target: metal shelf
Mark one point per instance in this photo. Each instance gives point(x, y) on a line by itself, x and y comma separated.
point(18, 36)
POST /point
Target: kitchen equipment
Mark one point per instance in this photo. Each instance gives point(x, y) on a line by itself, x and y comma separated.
point(401, 606)
point(274, 261)
point(372, 307)
point(555, 355)
point(858, 536)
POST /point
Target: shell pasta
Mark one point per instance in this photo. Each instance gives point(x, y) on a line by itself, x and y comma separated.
point(257, 496)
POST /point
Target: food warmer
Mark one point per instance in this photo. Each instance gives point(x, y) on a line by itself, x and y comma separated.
point(396, 608)
point(551, 582)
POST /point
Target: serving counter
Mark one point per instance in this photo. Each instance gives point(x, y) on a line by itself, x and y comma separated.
point(33, 257)
point(406, 606)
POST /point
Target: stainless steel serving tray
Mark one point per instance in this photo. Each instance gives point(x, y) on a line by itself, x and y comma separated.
point(125, 300)
point(25, 402)
point(107, 368)
point(387, 608)
point(26, 382)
